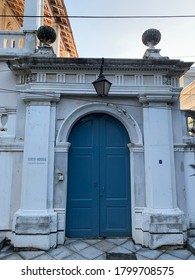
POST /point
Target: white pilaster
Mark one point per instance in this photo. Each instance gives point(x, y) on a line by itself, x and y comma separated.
point(62, 150)
point(33, 8)
point(162, 222)
point(159, 157)
point(36, 157)
point(36, 219)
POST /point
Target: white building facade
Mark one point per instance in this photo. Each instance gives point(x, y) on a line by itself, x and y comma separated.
point(76, 165)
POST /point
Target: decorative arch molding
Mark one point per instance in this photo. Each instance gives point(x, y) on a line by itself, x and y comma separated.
point(117, 112)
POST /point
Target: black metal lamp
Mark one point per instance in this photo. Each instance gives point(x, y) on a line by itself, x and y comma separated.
point(102, 85)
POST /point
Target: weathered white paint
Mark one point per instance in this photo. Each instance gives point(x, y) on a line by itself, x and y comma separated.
point(40, 115)
point(35, 215)
point(36, 157)
point(6, 169)
point(101, 107)
point(159, 157)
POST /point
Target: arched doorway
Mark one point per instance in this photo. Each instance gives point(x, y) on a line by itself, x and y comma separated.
point(98, 196)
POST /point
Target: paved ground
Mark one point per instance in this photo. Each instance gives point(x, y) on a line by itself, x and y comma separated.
point(96, 249)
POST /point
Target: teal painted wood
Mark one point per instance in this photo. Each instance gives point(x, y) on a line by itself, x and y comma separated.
point(98, 198)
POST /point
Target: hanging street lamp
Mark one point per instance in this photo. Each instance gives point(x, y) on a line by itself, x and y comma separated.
point(102, 85)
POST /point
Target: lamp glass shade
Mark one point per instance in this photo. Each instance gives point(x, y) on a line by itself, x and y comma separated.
point(102, 86)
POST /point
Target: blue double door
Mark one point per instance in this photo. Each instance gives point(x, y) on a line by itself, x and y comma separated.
point(98, 195)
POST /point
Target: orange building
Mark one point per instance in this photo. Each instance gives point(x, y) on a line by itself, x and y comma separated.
point(13, 11)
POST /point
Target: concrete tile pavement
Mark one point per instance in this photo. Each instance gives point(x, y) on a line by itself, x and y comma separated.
point(96, 249)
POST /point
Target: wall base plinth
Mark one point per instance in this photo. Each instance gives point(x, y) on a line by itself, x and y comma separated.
point(35, 229)
point(160, 227)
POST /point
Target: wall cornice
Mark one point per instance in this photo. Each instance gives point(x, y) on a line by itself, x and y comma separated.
point(167, 67)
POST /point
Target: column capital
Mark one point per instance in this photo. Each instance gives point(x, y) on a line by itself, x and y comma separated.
point(158, 98)
point(139, 148)
point(62, 147)
point(40, 98)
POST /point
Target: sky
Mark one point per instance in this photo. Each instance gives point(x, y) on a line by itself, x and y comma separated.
point(122, 38)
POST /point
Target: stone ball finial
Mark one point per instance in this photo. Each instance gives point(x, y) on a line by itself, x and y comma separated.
point(151, 37)
point(46, 34)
